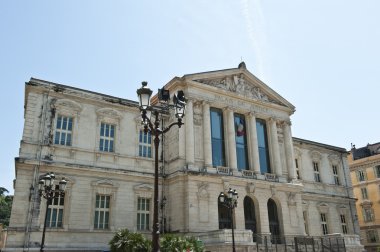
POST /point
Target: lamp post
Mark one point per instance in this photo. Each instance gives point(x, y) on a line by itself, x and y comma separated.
point(230, 201)
point(153, 125)
point(47, 190)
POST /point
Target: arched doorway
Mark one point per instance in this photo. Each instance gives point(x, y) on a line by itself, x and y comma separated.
point(224, 214)
point(274, 223)
point(249, 215)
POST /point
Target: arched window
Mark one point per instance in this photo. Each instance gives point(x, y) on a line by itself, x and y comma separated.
point(249, 214)
point(224, 216)
point(274, 223)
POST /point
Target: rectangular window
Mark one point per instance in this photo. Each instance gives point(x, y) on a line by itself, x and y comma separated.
point(145, 144)
point(217, 137)
point(377, 171)
point(368, 215)
point(297, 168)
point(364, 193)
point(335, 174)
point(317, 178)
point(324, 224)
point(55, 210)
point(361, 176)
point(143, 206)
point(343, 223)
point(102, 211)
point(262, 140)
point(372, 236)
point(107, 137)
point(241, 142)
point(63, 130)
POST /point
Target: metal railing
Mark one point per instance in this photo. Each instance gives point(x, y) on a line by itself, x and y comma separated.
point(268, 243)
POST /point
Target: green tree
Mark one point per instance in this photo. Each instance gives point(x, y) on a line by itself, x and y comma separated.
point(5, 206)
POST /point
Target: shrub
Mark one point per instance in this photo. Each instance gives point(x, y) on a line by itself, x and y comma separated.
point(175, 243)
point(126, 241)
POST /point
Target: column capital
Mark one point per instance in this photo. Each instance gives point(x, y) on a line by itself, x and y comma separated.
point(251, 114)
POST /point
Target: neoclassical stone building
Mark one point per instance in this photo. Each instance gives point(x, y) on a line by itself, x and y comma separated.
point(237, 134)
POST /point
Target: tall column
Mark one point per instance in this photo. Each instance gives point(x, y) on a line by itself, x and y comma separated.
point(207, 147)
point(232, 162)
point(254, 158)
point(189, 125)
point(275, 147)
point(289, 151)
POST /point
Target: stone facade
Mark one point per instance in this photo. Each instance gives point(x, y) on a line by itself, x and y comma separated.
point(364, 166)
point(190, 180)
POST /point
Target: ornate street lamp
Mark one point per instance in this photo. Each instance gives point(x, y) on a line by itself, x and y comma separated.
point(230, 201)
point(46, 188)
point(153, 126)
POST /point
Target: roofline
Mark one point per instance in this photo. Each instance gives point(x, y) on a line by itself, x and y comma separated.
point(122, 101)
point(331, 147)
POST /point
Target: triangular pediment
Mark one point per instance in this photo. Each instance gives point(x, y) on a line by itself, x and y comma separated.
point(240, 82)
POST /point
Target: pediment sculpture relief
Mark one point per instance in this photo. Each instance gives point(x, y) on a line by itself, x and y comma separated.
point(238, 84)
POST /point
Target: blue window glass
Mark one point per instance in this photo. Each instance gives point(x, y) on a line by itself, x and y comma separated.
point(217, 137)
point(241, 142)
point(262, 140)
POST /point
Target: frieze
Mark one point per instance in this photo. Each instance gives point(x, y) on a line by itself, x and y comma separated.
point(237, 84)
point(240, 104)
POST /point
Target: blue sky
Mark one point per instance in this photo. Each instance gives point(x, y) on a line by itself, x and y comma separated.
point(320, 55)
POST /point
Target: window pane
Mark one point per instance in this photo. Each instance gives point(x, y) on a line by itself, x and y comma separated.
point(63, 138)
point(107, 130)
point(102, 129)
point(101, 145)
point(96, 220)
point(70, 126)
point(59, 122)
point(111, 145)
point(56, 140)
point(112, 130)
point(64, 122)
point(263, 146)
point(107, 201)
point(60, 214)
point(68, 139)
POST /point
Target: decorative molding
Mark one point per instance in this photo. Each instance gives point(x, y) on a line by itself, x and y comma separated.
point(108, 113)
point(250, 188)
point(67, 106)
point(203, 190)
point(238, 84)
point(323, 207)
point(315, 155)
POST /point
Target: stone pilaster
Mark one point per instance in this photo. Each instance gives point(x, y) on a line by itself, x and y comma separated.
point(254, 158)
point(289, 151)
point(275, 148)
point(189, 125)
point(207, 148)
point(232, 161)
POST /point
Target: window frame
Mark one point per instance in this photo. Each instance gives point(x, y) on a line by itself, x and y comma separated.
point(361, 175)
point(317, 176)
point(372, 236)
point(145, 140)
point(335, 174)
point(218, 141)
point(343, 223)
point(324, 223)
point(242, 146)
point(63, 132)
point(145, 213)
point(264, 151)
point(111, 140)
point(364, 193)
point(105, 212)
point(377, 171)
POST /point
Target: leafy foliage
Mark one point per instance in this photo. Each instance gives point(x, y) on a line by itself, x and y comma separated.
point(126, 241)
point(5, 206)
point(175, 243)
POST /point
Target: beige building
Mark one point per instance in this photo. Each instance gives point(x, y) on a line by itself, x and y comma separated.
point(237, 134)
point(364, 166)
